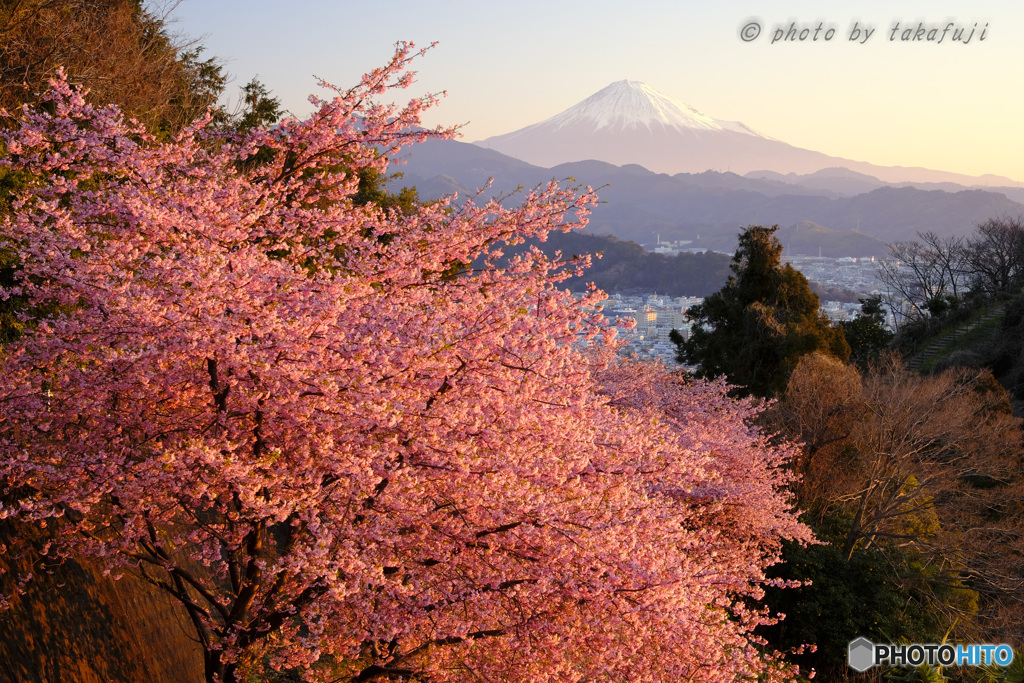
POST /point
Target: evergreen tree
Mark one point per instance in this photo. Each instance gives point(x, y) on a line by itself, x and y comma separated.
point(867, 334)
point(758, 326)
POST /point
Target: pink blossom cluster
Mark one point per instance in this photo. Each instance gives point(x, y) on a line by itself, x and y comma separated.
point(359, 441)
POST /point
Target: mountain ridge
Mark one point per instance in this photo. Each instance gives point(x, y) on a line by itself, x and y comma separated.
point(631, 122)
point(707, 208)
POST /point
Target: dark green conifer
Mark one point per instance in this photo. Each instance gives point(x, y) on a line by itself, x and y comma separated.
point(756, 328)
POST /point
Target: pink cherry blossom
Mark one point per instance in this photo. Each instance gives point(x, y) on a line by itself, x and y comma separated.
point(285, 410)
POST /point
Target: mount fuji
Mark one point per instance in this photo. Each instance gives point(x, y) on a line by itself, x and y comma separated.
point(629, 122)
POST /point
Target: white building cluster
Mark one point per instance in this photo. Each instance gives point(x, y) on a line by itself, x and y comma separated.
point(655, 316)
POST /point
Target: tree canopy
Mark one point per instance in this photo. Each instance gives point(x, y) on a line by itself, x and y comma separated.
point(117, 48)
point(867, 334)
point(757, 327)
point(914, 479)
point(285, 406)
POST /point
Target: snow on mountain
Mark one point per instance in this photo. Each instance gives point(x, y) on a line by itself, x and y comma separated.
point(740, 127)
point(629, 122)
point(631, 104)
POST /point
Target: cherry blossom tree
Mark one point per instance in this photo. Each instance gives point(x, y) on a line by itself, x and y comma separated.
point(342, 449)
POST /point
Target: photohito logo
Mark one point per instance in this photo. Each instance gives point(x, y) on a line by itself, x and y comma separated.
point(863, 654)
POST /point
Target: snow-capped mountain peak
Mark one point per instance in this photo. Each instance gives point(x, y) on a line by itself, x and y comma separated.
point(632, 104)
point(629, 122)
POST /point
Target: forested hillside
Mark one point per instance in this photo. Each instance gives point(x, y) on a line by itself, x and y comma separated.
point(623, 266)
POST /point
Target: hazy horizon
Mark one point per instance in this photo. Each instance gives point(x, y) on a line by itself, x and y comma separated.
point(945, 106)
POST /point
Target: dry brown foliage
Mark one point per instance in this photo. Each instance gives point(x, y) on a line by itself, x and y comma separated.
point(927, 463)
point(122, 53)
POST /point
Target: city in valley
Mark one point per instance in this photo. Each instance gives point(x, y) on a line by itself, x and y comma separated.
point(657, 315)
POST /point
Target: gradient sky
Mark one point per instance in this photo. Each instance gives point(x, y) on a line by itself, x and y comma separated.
point(950, 106)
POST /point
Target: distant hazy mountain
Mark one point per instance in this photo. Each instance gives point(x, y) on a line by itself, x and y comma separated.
point(627, 267)
point(810, 238)
point(709, 209)
point(840, 181)
point(629, 122)
point(846, 183)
